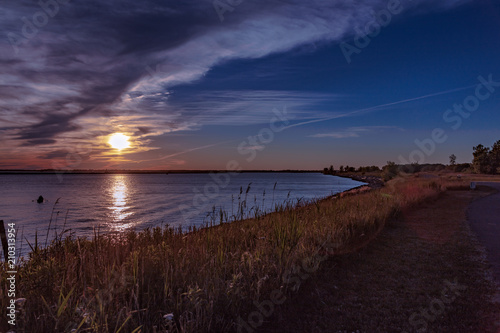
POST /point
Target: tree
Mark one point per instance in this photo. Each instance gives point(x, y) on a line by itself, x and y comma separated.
point(453, 159)
point(331, 169)
point(389, 171)
point(341, 168)
point(481, 161)
point(495, 157)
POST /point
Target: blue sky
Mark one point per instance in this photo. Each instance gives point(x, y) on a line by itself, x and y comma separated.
point(192, 92)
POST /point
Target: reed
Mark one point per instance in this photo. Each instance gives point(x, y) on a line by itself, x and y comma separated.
point(166, 280)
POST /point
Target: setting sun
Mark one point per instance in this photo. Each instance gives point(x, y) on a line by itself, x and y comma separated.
point(119, 141)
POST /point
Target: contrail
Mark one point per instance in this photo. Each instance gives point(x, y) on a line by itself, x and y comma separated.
point(326, 119)
point(378, 107)
point(183, 152)
point(193, 149)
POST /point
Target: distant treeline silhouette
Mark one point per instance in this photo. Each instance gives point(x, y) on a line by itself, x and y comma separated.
point(486, 160)
point(331, 170)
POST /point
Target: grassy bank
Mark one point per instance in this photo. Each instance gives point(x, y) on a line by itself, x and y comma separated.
point(209, 280)
point(424, 273)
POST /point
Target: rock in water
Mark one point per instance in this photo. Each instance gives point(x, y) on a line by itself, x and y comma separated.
point(40, 199)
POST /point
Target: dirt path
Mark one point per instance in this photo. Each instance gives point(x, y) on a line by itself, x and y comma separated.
point(484, 217)
point(422, 274)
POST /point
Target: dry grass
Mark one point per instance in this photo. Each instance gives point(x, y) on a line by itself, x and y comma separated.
point(386, 286)
point(207, 278)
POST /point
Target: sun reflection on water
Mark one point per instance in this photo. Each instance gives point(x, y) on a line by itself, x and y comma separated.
point(119, 207)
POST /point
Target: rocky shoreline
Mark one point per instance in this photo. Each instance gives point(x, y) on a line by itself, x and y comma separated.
point(372, 181)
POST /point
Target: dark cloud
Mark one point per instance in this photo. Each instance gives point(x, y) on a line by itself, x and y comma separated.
point(37, 142)
point(51, 125)
point(92, 57)
point(54, 154)
point(13, 91)
point(144, 130)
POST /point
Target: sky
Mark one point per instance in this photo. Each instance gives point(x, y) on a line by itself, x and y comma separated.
point(289, 84)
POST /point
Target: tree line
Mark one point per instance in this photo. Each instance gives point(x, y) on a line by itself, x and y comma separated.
point(343, 169)
point(486, 160)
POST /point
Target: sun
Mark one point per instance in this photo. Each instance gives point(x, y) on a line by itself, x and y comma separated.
point(119, 141)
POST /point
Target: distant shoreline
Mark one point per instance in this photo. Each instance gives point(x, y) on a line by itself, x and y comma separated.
point(124, 172)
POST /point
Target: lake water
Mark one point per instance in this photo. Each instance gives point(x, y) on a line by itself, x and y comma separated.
point(135, 201)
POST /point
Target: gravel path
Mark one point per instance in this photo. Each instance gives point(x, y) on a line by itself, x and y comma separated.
point(484, 217)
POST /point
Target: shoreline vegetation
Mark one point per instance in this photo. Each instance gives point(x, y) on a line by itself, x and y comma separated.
point(209, 279)
point(425, 272)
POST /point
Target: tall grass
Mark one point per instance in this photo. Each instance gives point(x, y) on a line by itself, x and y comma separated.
point(162, 279)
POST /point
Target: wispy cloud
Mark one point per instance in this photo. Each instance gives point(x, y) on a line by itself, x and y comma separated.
point(95, 60)
point(379, 107)
point(249, 107)
point(354, 132)
point(337, 135)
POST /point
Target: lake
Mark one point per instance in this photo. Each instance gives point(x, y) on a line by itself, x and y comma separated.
point(118, 202)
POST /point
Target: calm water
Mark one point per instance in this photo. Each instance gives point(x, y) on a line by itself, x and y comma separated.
point(119, 202)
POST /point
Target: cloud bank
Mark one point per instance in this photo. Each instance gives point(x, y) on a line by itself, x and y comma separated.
point(73, 71)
